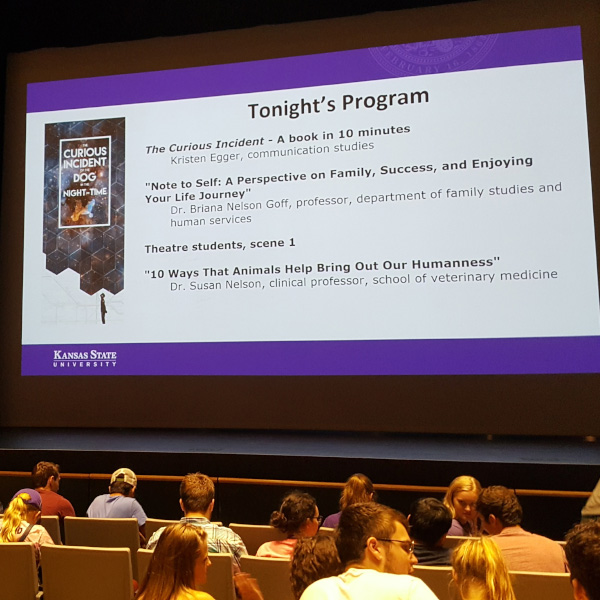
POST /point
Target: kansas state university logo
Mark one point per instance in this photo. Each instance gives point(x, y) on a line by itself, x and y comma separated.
point(88, 359)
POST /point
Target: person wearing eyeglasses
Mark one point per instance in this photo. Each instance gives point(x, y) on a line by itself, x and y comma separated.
point(298, 517)
point(378, 557)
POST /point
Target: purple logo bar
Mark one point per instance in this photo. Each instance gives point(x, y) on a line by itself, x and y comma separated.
point(378, 357)
point(403, 60)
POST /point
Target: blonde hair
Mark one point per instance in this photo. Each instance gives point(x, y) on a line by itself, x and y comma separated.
point(479, 571)
point(15, 513)
point(463, 483)
point(358, 488)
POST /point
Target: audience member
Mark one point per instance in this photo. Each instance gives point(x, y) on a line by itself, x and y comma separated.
point(591, 510)
point(583, 556)
point(358, 488)
point(377, 554)
point(501, 516)
point(46, 481)
point(20, 522)
point(461, 499)
point(314, 558)
point(197, 501)
point(178, 565)
point(120, 502)
point(429, 521)
point(479, 571)
point(298, 517)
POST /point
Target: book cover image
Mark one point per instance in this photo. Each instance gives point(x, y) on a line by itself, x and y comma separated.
point(84, 182)
point(84, 202)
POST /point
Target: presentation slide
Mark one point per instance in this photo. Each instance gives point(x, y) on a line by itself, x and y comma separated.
point(414, 209)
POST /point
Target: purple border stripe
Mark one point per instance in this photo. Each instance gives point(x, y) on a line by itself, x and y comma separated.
point(377, 357)
point(508, 49)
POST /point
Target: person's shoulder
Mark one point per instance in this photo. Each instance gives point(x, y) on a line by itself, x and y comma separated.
point(194, 595)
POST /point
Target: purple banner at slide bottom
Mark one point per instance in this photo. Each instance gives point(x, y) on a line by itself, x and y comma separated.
point(377, 357)
point(369, 64)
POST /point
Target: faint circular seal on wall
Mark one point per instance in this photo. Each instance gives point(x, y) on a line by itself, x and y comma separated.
point(439, 56)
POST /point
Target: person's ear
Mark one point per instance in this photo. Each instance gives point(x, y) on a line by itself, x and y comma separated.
point(374, 549)
point(579, 592)
point(181, 505)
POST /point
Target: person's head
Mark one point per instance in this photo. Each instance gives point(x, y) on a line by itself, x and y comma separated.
point(298, 515)
point(179, 562)
point(314, 558)
point(583, 555)
point(26, 505)
point(123, 481)
point(429, 521)
point(479, 571)
point(375, 536)
point(46, 475)
point(461, 498)
point(197, 494)
point(358, 488)
point(499, 508)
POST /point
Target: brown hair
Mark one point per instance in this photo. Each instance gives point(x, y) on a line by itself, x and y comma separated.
point(314, 558)
point(295, 509)
point(502, 503)
point(361, 521)
point(583, 556)
point(479, 570)
point(463, 483)
point(196, 491)
point(42, 472)
point(358, 488)
point(171, 569)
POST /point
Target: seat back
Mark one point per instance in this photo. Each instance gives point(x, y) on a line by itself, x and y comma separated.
point(18, 571)
point(153, 525)
point(272, 574)
point(549, 586)
point(143, 560)
point(452, 541)
point(75, 572)
point(104, 533)
point(438, 579)
point(255, 536)
point(219, 583)
point(52, 525)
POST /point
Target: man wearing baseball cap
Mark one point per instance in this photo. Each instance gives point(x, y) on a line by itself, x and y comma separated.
point(120, 502)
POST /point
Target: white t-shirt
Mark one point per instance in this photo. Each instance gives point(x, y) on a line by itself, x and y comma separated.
point(360, 584)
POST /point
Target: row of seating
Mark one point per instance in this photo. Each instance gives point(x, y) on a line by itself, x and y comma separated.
point(73, 572)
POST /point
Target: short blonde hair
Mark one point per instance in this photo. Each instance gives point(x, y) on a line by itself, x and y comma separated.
point(479, 569)
point(463, 483)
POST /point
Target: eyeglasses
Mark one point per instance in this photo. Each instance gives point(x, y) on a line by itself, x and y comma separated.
point(319, 519)
point(407, 545)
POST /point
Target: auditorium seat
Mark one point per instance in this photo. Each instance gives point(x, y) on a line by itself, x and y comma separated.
point(549, 586)
point(452, 541)
point(272, 574)
point(18, 571)
point(104, 533)
point(255, 536)
point(438, 579)
point(153, 525)
point(143, 559)
point(52, 525)
point(73, 572)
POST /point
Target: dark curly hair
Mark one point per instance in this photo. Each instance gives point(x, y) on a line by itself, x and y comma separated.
point(295, 509)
